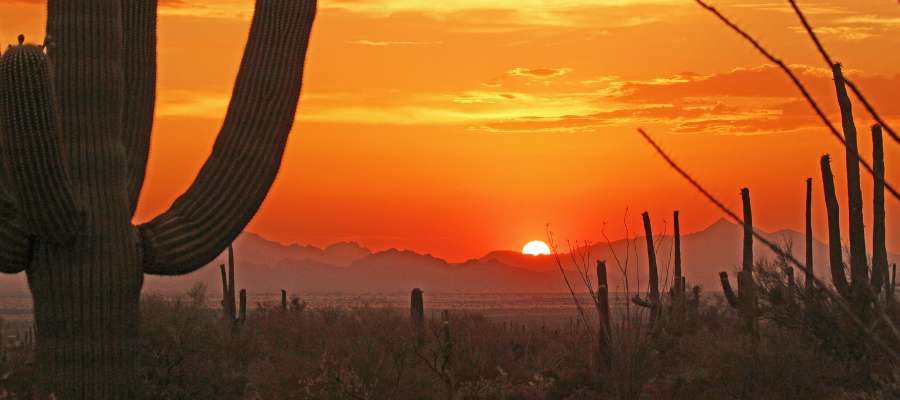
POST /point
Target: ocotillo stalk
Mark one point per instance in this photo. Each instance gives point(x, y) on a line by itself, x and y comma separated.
point(417, 314)
point(835, 255)
point(678, 289)
point(603, 314)
point(653, 272)
point(879, 246)
point(243, 314)
point(809, 236)
point(284, 300)
point(859, 270)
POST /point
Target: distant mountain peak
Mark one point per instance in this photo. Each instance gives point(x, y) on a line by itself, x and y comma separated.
point(721, 223)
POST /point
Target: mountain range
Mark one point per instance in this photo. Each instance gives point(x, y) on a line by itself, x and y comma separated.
point(264, 266)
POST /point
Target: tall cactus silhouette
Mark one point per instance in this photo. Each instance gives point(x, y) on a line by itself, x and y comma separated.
point(746, 299)
point(75, 143)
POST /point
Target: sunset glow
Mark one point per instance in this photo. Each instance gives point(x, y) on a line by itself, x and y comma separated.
point(419, 119)
point(536, 248)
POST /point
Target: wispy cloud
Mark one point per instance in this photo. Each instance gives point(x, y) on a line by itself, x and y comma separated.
point(539, 73)
point(387, 43)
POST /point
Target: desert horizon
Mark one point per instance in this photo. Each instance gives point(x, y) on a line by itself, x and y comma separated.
point(459, 200)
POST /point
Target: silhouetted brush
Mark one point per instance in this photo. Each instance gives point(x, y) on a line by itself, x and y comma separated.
point(75, 144)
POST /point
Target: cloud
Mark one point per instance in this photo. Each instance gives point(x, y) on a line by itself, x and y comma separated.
point(386, 43)
point(539, 73)
point(744, 101)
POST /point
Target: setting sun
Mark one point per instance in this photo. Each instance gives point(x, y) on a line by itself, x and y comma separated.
point(536, 248)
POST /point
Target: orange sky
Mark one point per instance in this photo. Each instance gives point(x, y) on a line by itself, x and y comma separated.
point(460, 127)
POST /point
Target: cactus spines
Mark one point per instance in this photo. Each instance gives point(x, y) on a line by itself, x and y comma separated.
point(879, 246)
point(80, 133)
point(32, 145)
point(832, 208)
point(810, 278)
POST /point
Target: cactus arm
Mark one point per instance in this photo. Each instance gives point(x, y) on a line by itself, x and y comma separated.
point(727, 290)
point(30, 126)
point(858, 265)
point(247, 154)
point(15, 245)
point(638, 301)
point(139, 67)
point(835, 257)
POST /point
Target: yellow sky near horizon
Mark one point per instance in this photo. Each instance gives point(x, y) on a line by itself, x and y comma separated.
point(460, 127)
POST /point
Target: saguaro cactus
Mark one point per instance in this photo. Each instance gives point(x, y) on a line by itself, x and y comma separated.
point(228, 281)
point(745, 300)
point(604, 323)
point(417, 314)
point(242, 315)
point(678, 280)
point(75, 143)
point(879, 246)
point(859, 270)
point(810, 280)
point(653, 299)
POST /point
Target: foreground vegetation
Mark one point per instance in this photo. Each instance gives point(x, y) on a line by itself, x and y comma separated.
point(189, 351)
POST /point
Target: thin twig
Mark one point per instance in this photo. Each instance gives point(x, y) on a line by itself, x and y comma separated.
point(830, 62)
point(830, 293)
point(798, 84)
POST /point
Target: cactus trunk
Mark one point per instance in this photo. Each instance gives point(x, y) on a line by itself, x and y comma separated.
point(835, 256)
point(859, 269)
point(417, 314)
point(810, 277)
point(604, 322)
point(678, 281)
point(746, 284)
point(879, 246)
point(242, 316)
point(653, 271)
point(76, 139)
